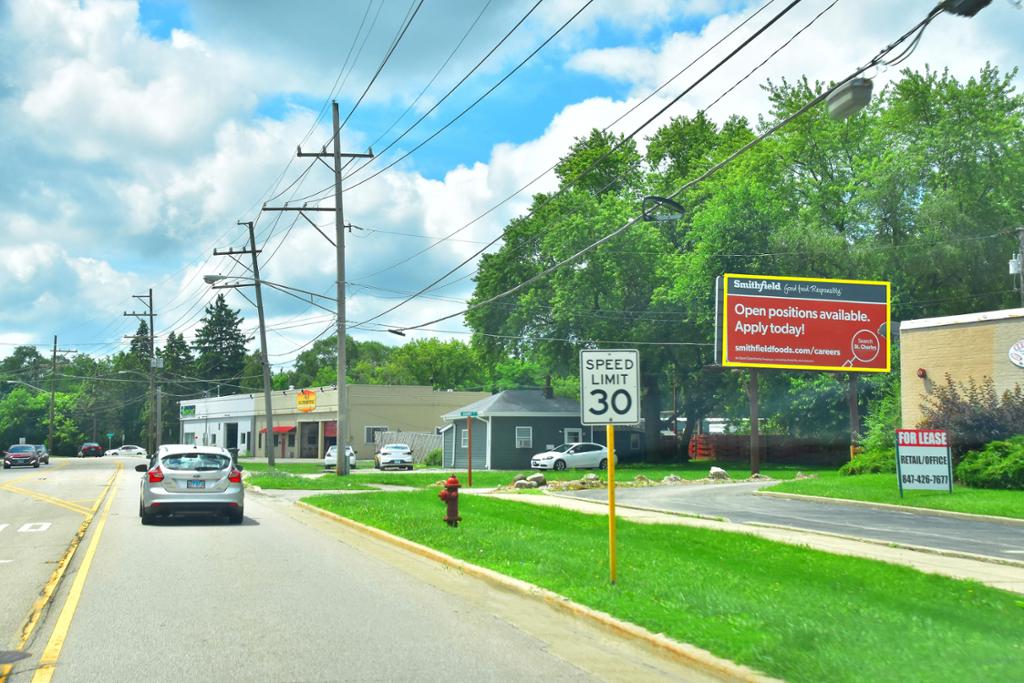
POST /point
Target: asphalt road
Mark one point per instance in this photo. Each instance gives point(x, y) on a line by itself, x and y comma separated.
point(737, 503)
point(286, 596)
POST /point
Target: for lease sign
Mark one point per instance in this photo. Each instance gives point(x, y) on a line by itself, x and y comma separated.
point(803, 323)
point(923, 460)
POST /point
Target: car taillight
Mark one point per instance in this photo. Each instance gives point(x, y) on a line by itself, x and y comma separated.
point(235, 477)
point(155, 475)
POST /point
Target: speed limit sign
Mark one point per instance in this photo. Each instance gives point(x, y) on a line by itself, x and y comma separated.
point(610, 386)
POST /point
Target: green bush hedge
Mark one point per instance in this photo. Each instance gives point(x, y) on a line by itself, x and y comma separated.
point(999, 465)
point(871, 462)
point(433, 458)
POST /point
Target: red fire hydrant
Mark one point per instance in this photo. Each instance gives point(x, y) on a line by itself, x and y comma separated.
point(450, 496)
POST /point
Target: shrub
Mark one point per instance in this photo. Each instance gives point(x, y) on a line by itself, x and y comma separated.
point(879, 440)
point(973, 414)
point(999, 465)
point(872, 461)
point(433, 458)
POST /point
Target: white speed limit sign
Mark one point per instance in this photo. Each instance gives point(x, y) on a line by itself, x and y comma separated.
point(610, 386)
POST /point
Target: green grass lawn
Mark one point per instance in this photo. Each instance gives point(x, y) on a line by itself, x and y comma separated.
point(792, 612)
point(883, 488)
point(624, 474)
point(326, 482)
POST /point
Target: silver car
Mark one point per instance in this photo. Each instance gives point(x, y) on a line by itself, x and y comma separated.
point(185, 478)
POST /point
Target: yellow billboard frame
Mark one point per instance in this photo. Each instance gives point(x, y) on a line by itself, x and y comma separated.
point(820, 368)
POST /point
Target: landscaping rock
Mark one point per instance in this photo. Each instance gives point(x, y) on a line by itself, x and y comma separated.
point(538, 479)
point(591, 477)
point(801, 475)
point(758, 475)
point(524, 484)
point(641, 480)
point(518, 477)
point(718, 474)
point(672, 479)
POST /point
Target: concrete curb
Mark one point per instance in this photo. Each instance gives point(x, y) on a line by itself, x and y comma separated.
point(1010, 521)
point(689, 654)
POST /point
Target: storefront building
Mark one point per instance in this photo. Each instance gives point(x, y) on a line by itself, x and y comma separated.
point(973, 346)
point(305, 419)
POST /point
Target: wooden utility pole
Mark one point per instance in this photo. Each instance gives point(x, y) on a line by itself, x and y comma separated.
point(152, 440)
point(53, 391)
point(339, 243)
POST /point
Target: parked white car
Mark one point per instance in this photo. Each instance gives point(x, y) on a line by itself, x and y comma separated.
point(579, 455)
point(129, 450)
point(397, 455)
point(331, 457)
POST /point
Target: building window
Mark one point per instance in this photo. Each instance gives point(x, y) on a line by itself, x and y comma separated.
point(260, 441)
point(524, 437)
point(242, 437)
point(277, 440)
point(213, 439)
point(190, 437)
point(573, 435)
point(291, 439)
point(465, 438)
point(370, 433)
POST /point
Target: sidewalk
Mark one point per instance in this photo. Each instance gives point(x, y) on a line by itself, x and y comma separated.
point(1006, 575)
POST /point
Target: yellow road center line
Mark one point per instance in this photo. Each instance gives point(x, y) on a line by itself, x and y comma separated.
point(51, 586)
point(47, 663)
point(66, 504)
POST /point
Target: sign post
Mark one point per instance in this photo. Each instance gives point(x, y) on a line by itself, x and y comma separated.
point(110, 435)
point(923, 460)
point(609, 396)
point(469, 415)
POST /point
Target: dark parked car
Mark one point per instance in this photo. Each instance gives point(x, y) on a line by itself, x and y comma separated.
point(44, 455)
point(90, 448)
point(21, 455)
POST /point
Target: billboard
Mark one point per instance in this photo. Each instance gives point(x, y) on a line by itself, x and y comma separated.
point(797, 323)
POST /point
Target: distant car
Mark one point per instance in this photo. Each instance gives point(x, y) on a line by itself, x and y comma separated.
point(331, 457)
point(581, 455)
point(90, 448)
point(397, 455)
point(128, 450)
point(44, 455)
point(21, 455)
point(183, 478)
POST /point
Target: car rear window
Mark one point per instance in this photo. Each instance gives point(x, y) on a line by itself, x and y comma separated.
point(202, 462)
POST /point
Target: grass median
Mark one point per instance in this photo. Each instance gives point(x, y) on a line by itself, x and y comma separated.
point(883, 488)
point(791, 612)
point(326, 482)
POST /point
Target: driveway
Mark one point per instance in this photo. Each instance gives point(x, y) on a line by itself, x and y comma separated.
point(738, 503)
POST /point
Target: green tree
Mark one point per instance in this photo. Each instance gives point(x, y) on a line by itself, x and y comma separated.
point(219, 344)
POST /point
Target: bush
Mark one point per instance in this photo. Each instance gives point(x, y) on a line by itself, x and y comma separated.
point(973, 414)
point(879, 440)
point(871, 461)
point(433, 458)
point(999, 465)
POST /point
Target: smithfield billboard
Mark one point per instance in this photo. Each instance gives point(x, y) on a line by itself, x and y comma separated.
point(798, 323)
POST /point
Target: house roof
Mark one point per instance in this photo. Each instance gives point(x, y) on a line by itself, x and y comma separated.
point(519, 402)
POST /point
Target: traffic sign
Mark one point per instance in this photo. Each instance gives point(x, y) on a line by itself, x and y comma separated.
point(467, 413)
point(110, 435)
point(610, 386)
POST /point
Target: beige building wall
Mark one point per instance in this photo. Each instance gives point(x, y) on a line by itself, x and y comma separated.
point(964, 346)
point(389, 407)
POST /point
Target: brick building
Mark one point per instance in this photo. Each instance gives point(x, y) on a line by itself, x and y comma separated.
point(976, 345)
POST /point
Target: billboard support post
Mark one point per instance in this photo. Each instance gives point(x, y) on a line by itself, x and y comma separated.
point(854, 413)
point(755, 435)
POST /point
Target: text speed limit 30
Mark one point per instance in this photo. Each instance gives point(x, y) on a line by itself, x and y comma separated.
point(610, 386)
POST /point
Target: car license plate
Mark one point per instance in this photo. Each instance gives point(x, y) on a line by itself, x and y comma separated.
point(195, 484)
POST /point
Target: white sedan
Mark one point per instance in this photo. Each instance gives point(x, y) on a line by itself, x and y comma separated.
point(129, 450)
point(397, 455)
point(577, 455)
point(331, 457)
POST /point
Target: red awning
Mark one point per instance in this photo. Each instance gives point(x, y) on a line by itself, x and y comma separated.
point(331, 428)
point(281, 429)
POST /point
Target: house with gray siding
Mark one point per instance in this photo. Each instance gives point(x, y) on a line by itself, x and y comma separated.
point(508, 428)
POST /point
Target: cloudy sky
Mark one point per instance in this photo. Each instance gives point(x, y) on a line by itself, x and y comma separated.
point(134, 136)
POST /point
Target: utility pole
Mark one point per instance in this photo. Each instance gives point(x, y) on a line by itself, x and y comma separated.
point(339, 243)
point(53, 390)
point(268, 442)
point(1020, 264)
point(153, 440)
